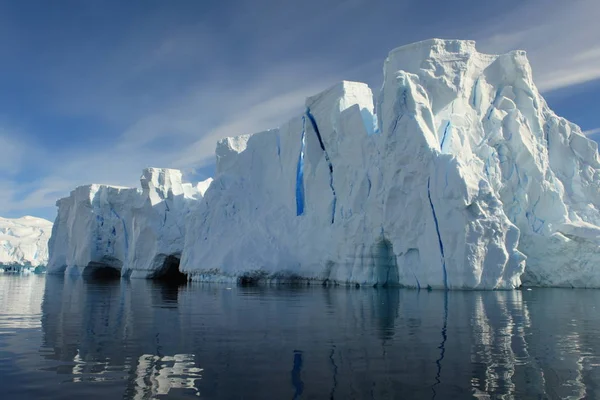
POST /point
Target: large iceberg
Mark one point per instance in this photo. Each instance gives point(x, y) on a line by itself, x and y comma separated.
point(24, 241)
point(459, 176)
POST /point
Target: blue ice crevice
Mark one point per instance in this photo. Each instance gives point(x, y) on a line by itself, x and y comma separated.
point(437, 229)
point(446, 131)
point(322, 144)
point(493, 105)
point(547, 136)
point(124, 229)
point(417, 280)
point(278, 141)
point(474, 100)
point(99, 223)
point(536, 223)
point(167, 209)
point(300, 172)
point(396, 121)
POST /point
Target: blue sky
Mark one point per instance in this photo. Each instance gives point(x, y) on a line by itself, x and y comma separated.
point(94, 91)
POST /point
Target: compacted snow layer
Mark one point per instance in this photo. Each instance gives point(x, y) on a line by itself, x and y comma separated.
point(463, 178)
point(24, 241)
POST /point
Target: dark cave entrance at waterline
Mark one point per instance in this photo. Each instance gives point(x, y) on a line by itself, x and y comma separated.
point(169, 271)
point(98, 271)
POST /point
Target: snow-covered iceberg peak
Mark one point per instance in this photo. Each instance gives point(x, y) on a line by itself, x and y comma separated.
point(24, 241)
point(487, 114)
point(132, 231)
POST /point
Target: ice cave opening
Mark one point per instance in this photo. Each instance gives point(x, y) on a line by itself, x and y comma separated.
point(247, 280)
point(169, 271)
point(385, 264)
point(101, 271)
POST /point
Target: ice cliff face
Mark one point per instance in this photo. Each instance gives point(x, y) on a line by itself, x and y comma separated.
point(24, 241)
point(137, 232)
point(463, 178)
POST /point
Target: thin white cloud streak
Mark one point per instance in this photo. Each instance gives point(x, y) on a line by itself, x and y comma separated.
point(7, 192)
point(259, 117)
point(11, 153)
point(561, 39)
point(591, 132)
point(203, 107)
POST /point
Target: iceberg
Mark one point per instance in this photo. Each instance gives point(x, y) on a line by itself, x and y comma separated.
point(456, 176)
point(24, 241)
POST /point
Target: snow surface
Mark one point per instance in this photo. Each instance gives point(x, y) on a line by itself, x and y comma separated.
point(463, 179)
point(24, 241)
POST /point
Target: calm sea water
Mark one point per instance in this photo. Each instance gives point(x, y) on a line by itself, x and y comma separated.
point(66, 338)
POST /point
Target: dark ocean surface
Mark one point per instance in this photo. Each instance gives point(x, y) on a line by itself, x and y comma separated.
point(65, 338)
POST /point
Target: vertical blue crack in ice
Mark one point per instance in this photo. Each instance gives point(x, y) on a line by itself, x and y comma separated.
point(437, 229)
point(322, 144)
point(166, 212)
point(100, 223)
point(536, 223)
point(396, 123)
point(401, 109)
point(278, 141)
point(300, 172)
point(442, 347)
point(417, 279)
point(475, 87)
point(446, 130)
point(493, 105)
point(124, 229)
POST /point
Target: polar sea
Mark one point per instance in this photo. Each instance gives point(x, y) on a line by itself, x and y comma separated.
point(66, 338)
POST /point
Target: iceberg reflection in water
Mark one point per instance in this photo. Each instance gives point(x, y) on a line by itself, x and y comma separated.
point(158, 375)
point(139, 340)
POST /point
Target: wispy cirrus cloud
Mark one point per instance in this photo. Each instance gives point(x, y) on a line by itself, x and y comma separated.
point(560, 38)
point(592, 132)
point(11, 153)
